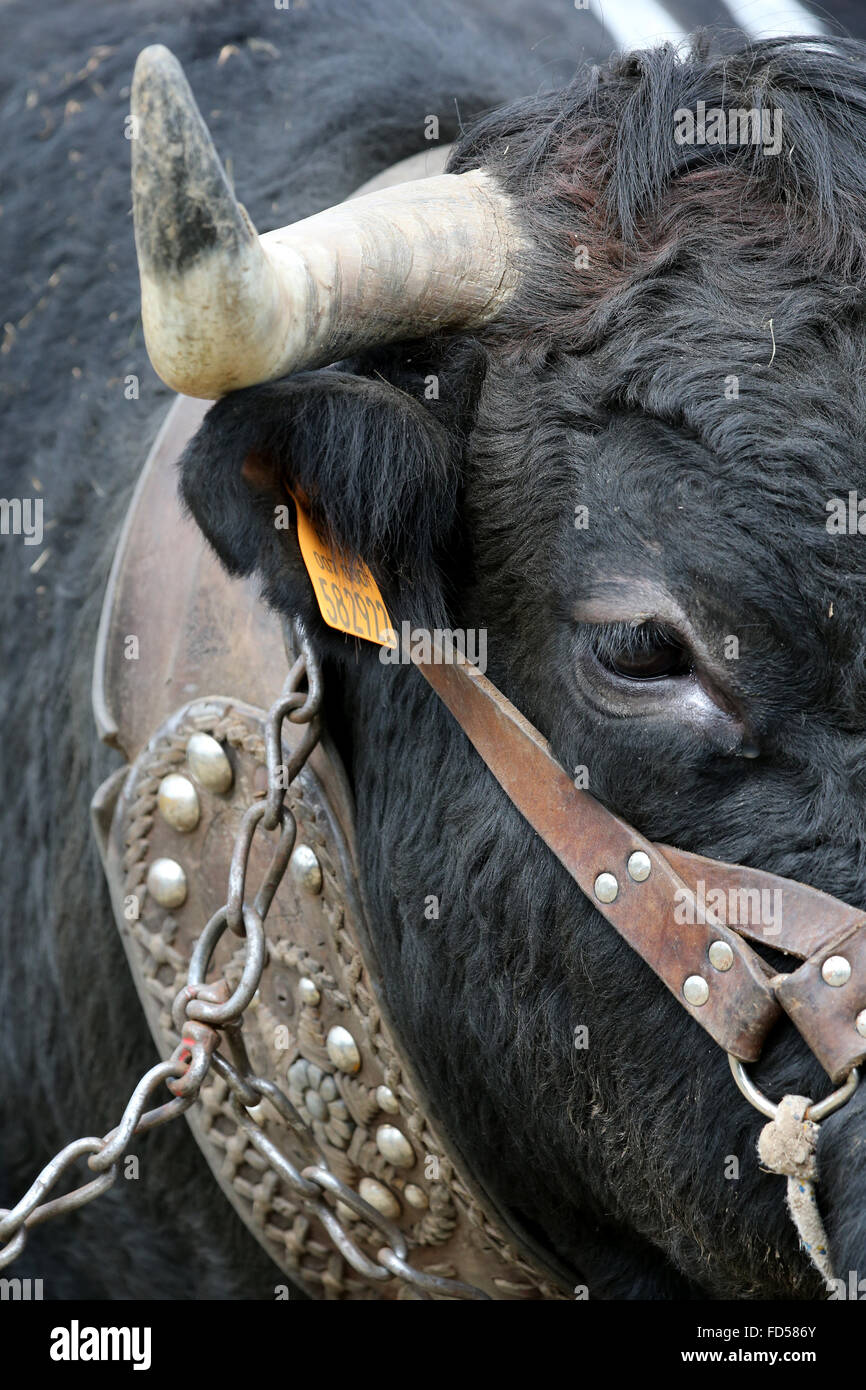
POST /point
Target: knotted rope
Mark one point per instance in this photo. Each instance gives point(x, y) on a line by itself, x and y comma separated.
point(787, 1146)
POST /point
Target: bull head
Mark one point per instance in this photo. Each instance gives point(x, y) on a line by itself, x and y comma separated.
point(598, 375)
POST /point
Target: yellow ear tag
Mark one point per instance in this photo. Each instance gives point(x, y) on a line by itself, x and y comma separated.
point(347, 594)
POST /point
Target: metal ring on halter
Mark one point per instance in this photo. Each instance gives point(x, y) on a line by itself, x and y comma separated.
point(821, 1108)
point(818, 1111)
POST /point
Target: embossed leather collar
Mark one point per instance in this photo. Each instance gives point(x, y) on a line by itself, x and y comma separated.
point(208, 659)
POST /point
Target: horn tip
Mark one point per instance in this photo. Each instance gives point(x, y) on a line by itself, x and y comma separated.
point(157, 73)
point(155, 53)
point(182, 202)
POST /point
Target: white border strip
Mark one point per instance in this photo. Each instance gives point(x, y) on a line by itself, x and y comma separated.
point(766, 19)
point(636, 23)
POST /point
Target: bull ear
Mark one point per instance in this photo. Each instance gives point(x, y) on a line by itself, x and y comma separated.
point(379, 472)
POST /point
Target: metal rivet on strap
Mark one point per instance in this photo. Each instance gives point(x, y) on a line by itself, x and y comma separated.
point(387, 1101)
point(860, 1023)
point(639, 866)
point(395, 1147)
point(606, 888)
point(696, 990)
point(721, 955)
point(208, 762)
point(836, 971)
point(380, 1197)
point(306, 869)
point(343, 1050)
point(166, 882)
point(177, 800)
point(309, 991)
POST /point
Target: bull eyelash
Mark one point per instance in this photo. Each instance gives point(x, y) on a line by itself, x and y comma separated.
point(611, 640)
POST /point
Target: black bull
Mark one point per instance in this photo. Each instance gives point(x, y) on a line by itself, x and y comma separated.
point(681, 376)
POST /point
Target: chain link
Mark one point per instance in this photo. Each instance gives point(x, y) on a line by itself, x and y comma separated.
point(207, 1014)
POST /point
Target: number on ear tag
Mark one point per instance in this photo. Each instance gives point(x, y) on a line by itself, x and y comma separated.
point(347, 594)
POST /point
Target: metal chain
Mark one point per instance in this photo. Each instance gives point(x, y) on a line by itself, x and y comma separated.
point(207, 1014)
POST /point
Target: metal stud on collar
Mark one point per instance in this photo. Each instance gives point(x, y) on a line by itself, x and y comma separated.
point(816, 1112)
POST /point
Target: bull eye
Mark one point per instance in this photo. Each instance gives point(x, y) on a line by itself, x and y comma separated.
point(644, 651)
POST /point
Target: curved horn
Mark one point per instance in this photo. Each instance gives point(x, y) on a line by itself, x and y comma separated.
point(225, 308)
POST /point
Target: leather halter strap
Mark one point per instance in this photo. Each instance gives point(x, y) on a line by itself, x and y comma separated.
point(745, 999)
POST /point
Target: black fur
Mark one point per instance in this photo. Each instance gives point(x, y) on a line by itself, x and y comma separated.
point(306, 435)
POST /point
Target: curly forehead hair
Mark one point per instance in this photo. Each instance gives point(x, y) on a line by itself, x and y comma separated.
point(700, 264)
point(598, 165)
